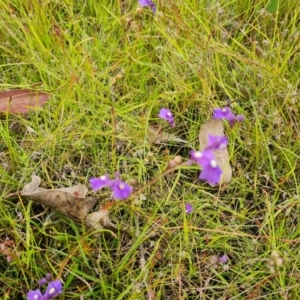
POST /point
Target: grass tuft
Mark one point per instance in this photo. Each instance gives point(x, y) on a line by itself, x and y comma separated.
point(110, 66)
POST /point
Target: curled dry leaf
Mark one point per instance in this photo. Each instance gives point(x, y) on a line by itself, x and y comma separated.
point(99, 220)
point(21, 101)
point(215, 127)
point(71, 201)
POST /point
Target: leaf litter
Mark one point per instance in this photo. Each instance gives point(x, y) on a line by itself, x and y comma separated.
point(71, 201)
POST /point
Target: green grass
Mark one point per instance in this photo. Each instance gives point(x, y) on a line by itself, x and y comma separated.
point(110, 66)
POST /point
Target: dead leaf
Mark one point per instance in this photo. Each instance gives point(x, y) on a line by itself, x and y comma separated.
point(99, 220)
point(215, 127)
point(71, 200)
point(21, 101)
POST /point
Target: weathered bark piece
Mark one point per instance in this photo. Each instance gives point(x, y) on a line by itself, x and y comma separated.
point(216, 127)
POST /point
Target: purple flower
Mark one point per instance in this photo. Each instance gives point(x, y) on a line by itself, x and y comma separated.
point(167, 115)
point(99, 183)
point(121, 189)
point(223, 259)
point(148, 3)
point(210, 172)
point(216, 142)
point(188, 208)
point(223, 113)
point(35, 295)
point(44, 280)
point(54, 288)
point(226, 113)
point(202, 158)
point(196, 156)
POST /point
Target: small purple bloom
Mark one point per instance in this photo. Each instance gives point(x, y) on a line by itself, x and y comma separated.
point(226, 113)
point(42, 281)
point(35, 295)
point(188, 208)
point(45, 279)
point(54, 288)
point(211, 172)
point(167, 115)
point(99, 183)
point(223, 259)
point(223, 113)
point(238, 118)
point(216, 142)
point(121, 189)
point(196, 156)
point(202, 158)
point(148, 3)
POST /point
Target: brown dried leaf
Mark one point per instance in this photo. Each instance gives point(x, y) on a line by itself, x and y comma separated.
point(21, 101)
point(99, 220)
point(215, 127)
point(70, 201)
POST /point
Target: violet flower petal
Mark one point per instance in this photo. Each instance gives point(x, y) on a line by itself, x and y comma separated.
point(145, 2)
point(99, 183)
point(121, 190)
point(188, 208)
point(153, 7)
point(223, 259)
point(48, 276)
point(43, 281)
point(148, 3)
point(35, 295)
point(216, 142)
point(54, 288)
point(223, 113)
point(226, 113)
point(235, 119)
point(167, 115)
point(202, 158)
point(211, 173)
